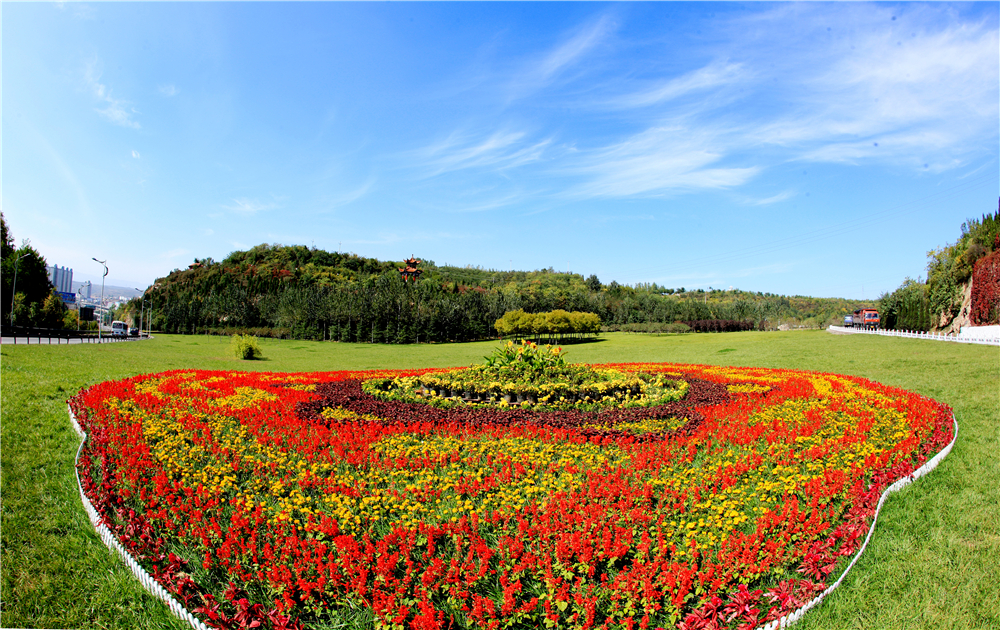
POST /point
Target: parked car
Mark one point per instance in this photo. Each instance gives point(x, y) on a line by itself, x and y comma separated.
point(133, 332)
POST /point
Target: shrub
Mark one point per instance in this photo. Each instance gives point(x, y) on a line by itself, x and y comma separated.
point(246, 347)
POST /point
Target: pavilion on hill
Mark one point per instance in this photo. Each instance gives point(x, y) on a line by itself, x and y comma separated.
point(410, 271)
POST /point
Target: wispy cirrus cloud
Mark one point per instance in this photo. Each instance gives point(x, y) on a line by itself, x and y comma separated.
point(115, 110)
point(658, 161)
point(717, 74)
point(499, 150)
point(907, 90)
point(539, 71)
point(248, 207)
point(782, 196)
point(168, 90)
point(903, 91)
point(835, 84)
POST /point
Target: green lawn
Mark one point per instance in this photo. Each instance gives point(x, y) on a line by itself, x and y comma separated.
point(933, 562)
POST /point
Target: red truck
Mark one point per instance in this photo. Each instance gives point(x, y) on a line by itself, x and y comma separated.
point(865, 318)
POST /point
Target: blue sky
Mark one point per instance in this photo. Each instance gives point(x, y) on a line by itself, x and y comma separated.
point(812, 149)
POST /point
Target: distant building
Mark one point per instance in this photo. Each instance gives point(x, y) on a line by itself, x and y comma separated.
point(62, 278)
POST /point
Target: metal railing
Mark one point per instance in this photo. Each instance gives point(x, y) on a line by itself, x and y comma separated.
point(37, 335)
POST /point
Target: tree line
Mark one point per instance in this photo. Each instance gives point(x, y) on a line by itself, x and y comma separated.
point(308, 293)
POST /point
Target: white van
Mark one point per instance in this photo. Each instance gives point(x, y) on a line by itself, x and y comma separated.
point(119, 329)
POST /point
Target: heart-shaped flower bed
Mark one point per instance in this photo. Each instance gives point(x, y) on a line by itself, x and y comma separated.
point(301, 500)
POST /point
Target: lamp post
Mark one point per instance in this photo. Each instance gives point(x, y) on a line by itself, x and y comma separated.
point(141, 309)
point(79, 302)
point(99, 323)
point(14, 291)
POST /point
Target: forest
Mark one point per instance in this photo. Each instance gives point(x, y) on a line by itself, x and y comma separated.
point(307, 293)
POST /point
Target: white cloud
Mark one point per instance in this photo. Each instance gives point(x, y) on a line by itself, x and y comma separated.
point(908, 92)
point(925, 93)
point(168, 90)
point(540, 72)
point(135, 154)
point(115, 110)
point(774, 199)
point(658, 161)
point(248, 207)
point(500, 150)
point(714, 75)
point(570, 51)
point(350, 196)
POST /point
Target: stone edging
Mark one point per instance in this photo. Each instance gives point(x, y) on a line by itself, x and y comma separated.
point(181, 612)
point(929, 465)
point(112, 543)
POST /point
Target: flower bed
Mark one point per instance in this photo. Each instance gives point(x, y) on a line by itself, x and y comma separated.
point(298, 500)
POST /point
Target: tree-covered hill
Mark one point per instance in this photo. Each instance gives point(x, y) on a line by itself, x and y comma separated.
point(296, 291)
point(946, 301)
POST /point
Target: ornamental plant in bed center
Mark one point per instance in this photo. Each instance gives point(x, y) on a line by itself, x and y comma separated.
point(528, 374)
point(304, 500)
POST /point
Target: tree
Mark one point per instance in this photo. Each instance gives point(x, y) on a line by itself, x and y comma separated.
point(8, 240)
point(53, 311)
point(32, 278)
point(593, 283)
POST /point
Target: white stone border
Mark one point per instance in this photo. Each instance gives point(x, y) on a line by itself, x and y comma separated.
point(112, 543)
point(180, 611)
point(931, 464)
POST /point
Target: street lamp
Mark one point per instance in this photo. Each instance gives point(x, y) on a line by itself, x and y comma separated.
point(142, 309)
point(79, 301)
point(12, 297)
point(103, 262)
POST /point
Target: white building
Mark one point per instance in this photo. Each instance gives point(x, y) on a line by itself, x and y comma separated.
point(62, 278)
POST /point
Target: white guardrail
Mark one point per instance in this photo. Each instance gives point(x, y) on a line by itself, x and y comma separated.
point(184, 614)
point(983, 335)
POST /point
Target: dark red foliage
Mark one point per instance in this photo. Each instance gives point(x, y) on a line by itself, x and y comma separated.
point(347, 394)
point(985, 307)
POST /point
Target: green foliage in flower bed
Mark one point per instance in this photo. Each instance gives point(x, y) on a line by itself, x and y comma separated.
point(532, 375)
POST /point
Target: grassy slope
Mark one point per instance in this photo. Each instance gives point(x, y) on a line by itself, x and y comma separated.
point(931, 564)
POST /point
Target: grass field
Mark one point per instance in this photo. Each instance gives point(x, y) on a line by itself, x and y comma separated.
point(934, 561)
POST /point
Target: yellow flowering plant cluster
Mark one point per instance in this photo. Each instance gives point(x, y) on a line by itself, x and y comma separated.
point(301, 501)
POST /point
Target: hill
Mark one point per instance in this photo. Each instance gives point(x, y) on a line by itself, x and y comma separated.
point(302, 292)
point(962, 286)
